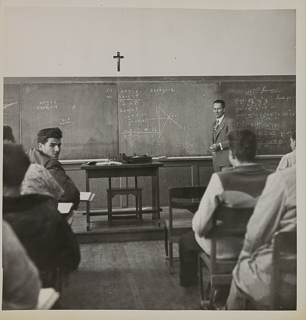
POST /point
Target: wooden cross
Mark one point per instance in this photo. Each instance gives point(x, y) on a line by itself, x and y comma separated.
point(118, 57)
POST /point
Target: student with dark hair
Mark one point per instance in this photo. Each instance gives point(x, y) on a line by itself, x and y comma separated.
point(289, 159)
point(47, 154)
point(8, 134)
point(221, 127)
point(245, 176)
point(46, 236)
point(37, 179)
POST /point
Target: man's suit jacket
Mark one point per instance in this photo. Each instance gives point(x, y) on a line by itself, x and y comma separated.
point(220, 158)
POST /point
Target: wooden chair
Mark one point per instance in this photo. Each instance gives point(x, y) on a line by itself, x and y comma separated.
point(229, 221)
point(284, 264)
point(180, 198)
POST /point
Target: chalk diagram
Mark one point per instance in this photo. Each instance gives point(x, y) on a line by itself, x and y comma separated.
point(153, 126)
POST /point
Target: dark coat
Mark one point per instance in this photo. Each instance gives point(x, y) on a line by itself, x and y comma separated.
point(71, 193)
point(45, 234)
point(220, 158)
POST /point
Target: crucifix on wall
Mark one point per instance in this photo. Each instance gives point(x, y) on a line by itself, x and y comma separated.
point(118, 57)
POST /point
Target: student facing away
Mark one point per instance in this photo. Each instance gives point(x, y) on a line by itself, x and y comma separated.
point(44, 233)
point(21, 282)
point(275, 211)
point(245, 176)
point(289, 159)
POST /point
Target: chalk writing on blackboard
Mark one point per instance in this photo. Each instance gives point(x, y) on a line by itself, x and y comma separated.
point(7, 112)
point(128, 97)
point(161, 90)
point(150, 126)
point(260, 110)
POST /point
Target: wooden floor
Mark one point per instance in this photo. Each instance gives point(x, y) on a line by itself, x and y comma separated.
point(123, 267)
point(121, 230)
point(126, 276)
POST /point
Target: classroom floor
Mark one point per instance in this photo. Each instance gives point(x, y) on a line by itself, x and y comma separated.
point(123, 267)
point(122, 230)
point(126, 276)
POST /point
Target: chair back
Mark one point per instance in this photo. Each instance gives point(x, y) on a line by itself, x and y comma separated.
point(230, 220)
point(188, 197)
point(284, 262)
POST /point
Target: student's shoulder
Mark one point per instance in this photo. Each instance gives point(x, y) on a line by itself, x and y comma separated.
point(37, 157)
point(54, 164)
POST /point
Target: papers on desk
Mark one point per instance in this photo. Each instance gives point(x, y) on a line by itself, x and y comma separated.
point(86, 196)
point(109, 163)
point(64, 207)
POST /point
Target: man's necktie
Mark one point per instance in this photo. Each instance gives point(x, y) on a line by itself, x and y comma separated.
point(216, 125)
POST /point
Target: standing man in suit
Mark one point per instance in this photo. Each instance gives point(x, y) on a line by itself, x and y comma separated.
point(221, 127)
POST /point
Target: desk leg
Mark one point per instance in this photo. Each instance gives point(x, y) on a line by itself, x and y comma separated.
point(137, 204)
point(87, 205)
point(109, 203)
point(155, 197)
point(87, 216)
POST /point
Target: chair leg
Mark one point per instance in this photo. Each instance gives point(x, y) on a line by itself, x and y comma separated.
point(166, 242)
point(140, 206)
point(109, 208)
point(201, 278)
point(205, 302)
point(171, 256)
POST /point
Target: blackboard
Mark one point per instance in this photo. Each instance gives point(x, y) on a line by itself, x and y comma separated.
point(265, 107)
point(11, 109)
point(158, 117)
point(165, 118)
point(86, 113)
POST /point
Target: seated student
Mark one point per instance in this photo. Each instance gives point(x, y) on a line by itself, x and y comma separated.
point(21, 283)
point(289, 159)
point(47, 154)
point(45, 234)
point(275, 211)
point(37, 179)
point(245, 176)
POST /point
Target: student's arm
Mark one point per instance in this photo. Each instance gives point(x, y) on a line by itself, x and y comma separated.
point(202, 220)
point(284, 163)
point(267, 214)
point(71, 193)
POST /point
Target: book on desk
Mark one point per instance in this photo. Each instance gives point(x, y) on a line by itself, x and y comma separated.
point(65, 207)
point(87, 196)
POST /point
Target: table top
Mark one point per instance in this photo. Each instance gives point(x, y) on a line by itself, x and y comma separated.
point(121, 166)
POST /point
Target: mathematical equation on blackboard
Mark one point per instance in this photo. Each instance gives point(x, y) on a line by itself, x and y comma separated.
point(268, 112)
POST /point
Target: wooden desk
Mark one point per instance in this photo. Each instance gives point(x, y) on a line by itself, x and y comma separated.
point(126, 170)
